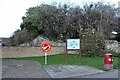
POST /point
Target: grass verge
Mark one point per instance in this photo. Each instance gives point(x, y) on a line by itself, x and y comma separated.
point(73, 59)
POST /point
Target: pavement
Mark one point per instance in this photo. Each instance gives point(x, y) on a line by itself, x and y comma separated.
point(32, 69)
point(110, 74)
point(69, 71)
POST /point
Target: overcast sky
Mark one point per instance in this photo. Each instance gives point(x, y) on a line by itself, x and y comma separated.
point(13, 10)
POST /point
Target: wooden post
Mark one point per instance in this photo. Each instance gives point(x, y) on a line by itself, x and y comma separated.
point(80, 53)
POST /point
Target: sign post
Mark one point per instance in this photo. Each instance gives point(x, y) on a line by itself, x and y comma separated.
point(72, 45)
point(45, 47)
point(45, 58)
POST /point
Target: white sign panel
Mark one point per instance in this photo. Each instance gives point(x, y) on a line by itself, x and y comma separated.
point(73, 43)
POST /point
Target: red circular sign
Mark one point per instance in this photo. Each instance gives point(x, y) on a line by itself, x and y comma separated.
point(45, 46)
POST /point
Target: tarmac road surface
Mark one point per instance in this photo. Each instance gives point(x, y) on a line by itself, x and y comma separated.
point(22, 69)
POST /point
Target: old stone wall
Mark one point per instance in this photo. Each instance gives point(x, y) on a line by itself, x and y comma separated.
point(112, 45)
point(11, 52)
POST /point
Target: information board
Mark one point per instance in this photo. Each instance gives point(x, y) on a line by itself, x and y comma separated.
point(73, 43)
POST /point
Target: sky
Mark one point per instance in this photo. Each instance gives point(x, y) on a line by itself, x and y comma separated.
point(13, 10)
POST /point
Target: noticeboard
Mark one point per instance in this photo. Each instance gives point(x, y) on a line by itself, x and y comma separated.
point(73, 44)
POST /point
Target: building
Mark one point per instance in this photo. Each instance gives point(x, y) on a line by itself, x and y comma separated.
point(0, 41)
point(4, 41)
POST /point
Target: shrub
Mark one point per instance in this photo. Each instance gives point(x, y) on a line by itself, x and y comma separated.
point(92, 44)
point(114, 53)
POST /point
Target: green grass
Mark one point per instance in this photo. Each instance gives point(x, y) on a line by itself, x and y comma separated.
point(73, 59)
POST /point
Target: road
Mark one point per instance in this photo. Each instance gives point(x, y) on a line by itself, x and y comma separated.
point(22, 69)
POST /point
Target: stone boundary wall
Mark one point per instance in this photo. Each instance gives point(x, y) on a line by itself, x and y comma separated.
point(14, 52)
point(112, 45)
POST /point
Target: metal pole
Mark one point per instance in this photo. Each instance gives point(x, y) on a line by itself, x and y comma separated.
point(45, 58)
point(66, 53)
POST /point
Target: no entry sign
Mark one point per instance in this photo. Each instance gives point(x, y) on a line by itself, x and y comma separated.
point(45, 46)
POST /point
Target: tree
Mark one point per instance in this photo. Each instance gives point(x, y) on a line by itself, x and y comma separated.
point(59, 22)
point(52, 21)
point(21, 36)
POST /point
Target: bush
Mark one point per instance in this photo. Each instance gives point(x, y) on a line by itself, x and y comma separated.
point(92, 44)
point(114, 53)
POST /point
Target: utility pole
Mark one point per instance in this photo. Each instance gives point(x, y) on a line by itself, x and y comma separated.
point(80, 53)
point(100, 19)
